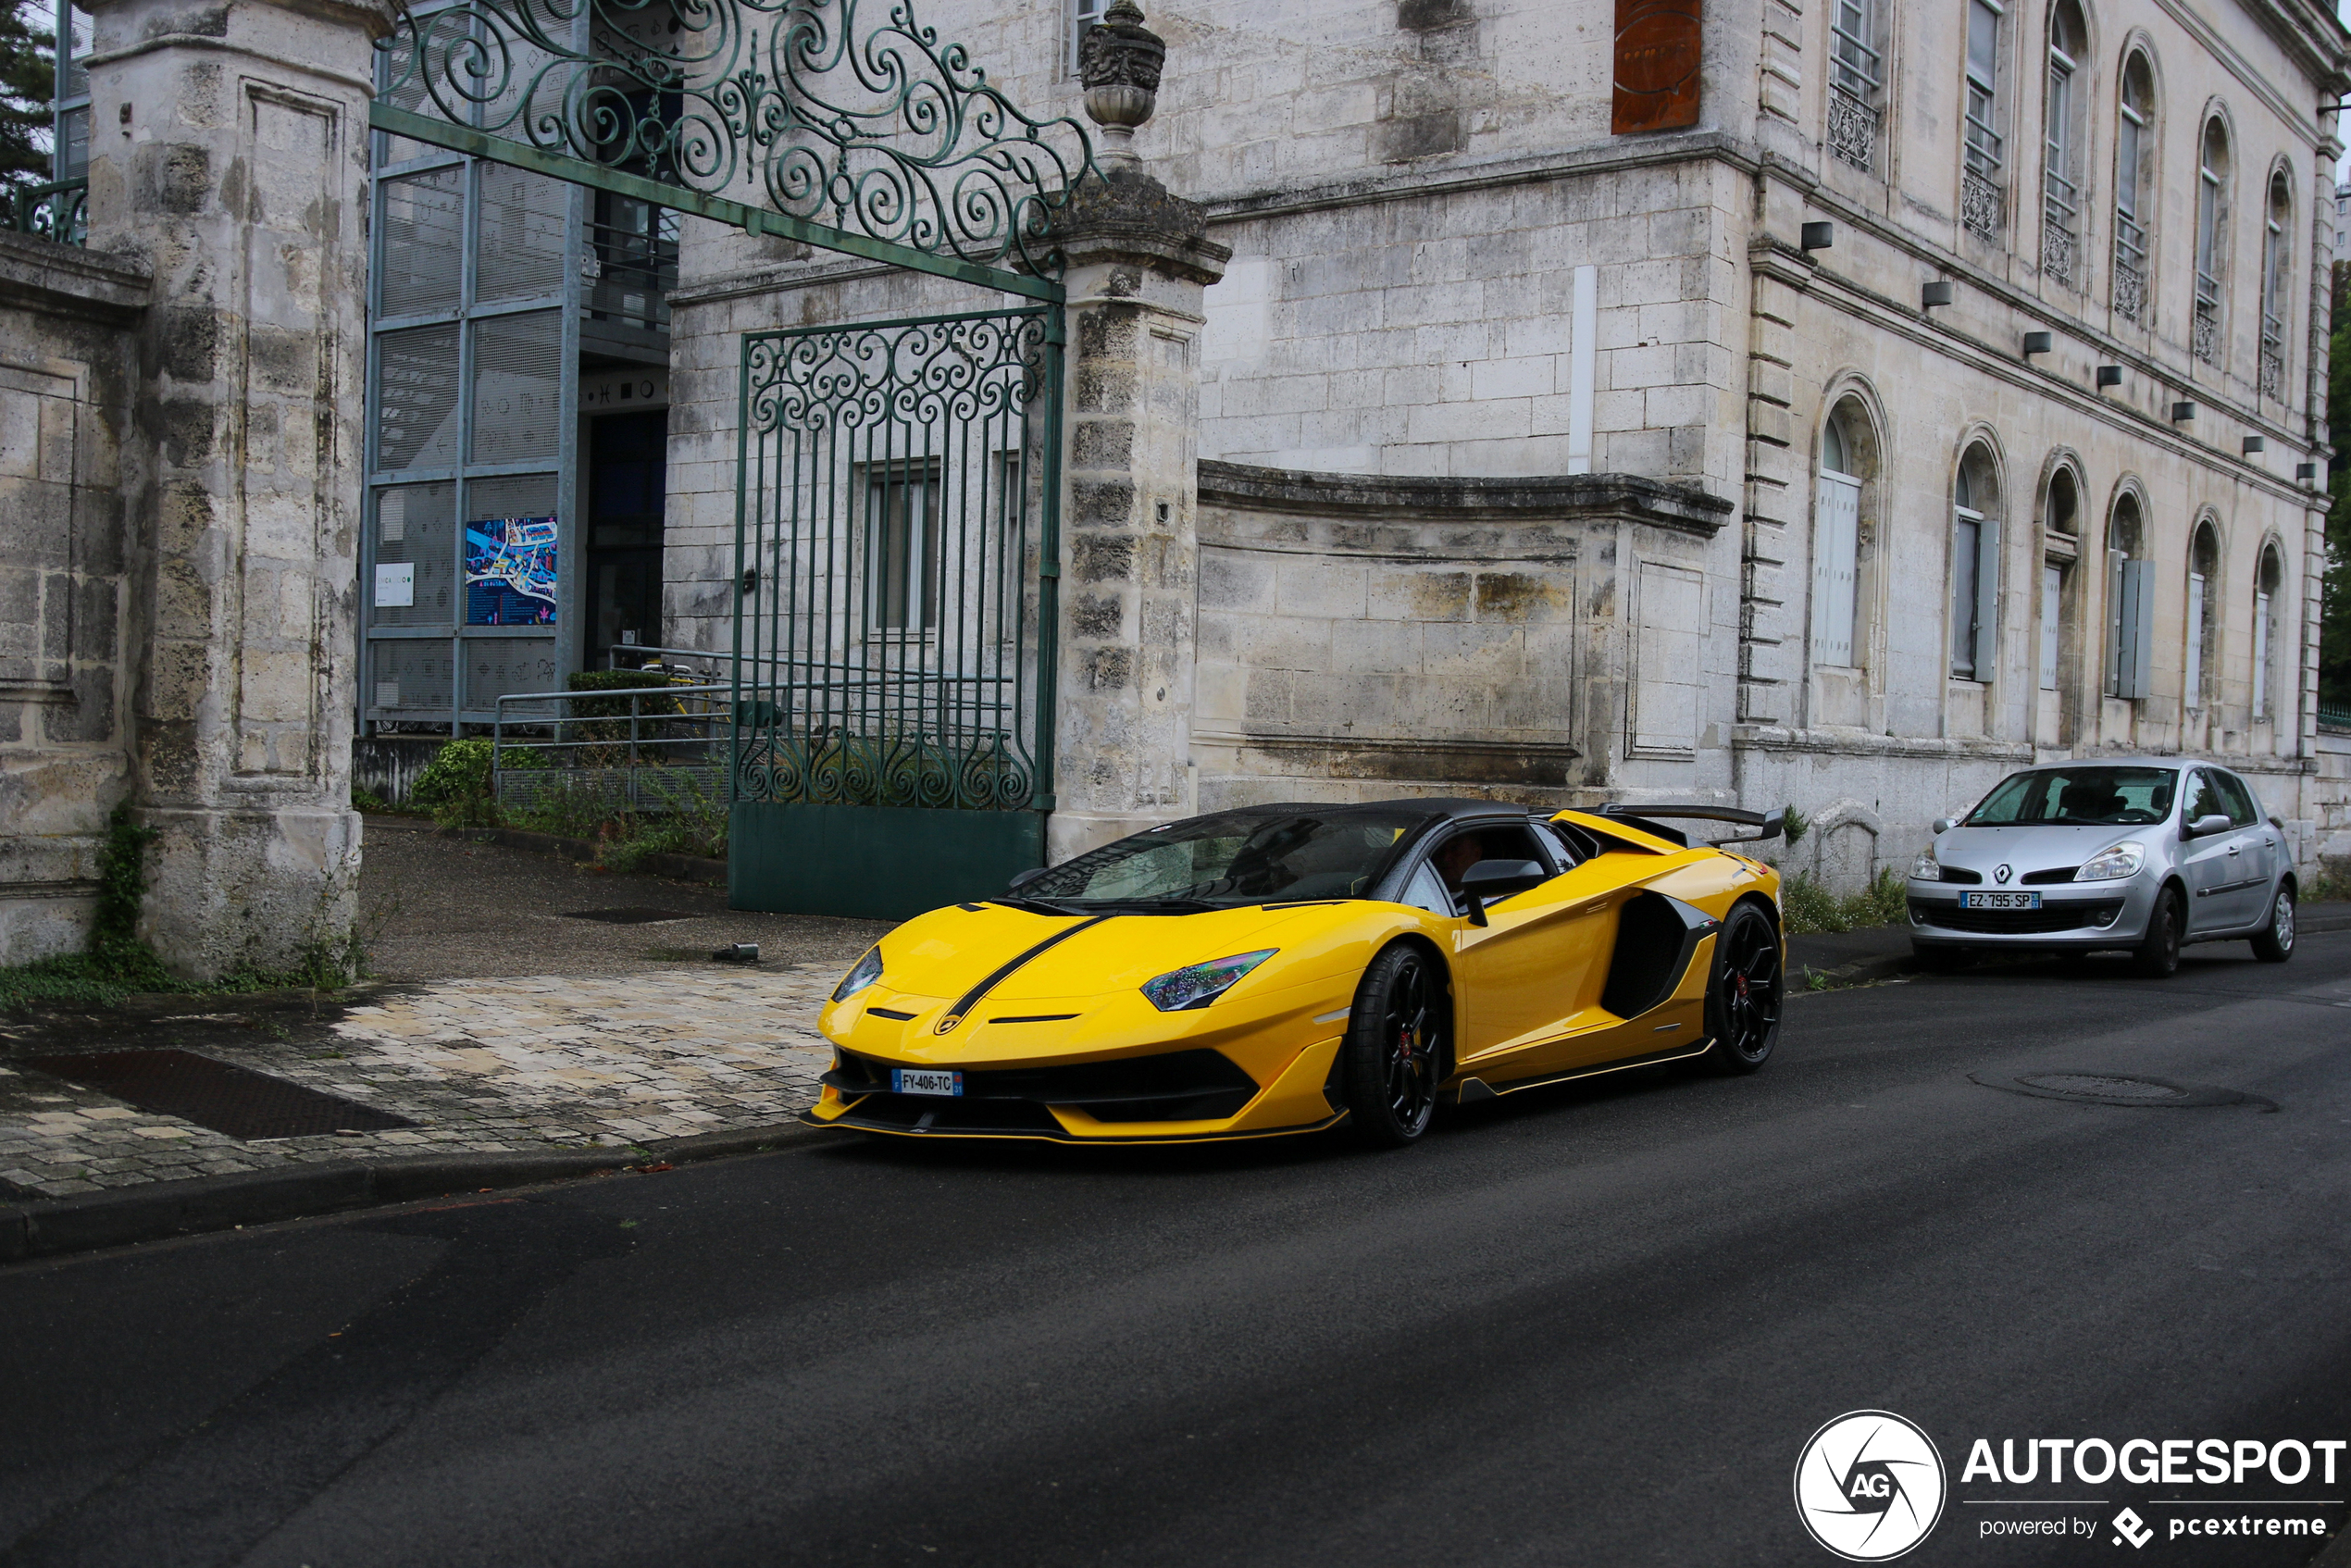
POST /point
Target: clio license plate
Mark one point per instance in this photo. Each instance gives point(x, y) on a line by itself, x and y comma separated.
point(913, 1080)
point(1999, 901)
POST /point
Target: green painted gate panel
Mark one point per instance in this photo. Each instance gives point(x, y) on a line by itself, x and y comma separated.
point(883, 863)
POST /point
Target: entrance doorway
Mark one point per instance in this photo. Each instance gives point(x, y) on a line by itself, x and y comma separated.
point(627, 463)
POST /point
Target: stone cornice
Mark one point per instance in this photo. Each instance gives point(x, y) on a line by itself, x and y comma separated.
point(69, 281)
point(1550, 498)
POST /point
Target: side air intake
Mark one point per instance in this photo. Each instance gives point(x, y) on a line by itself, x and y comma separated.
point(1656, 937)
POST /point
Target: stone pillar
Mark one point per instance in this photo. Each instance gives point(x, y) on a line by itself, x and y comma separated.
point(1137, 264)
point(228, 149)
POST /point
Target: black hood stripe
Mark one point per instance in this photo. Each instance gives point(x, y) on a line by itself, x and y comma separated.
point(971, 998)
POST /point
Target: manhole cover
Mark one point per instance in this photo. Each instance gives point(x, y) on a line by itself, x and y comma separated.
point(2117, 1088)
point(236, 1100)
point(630, 916)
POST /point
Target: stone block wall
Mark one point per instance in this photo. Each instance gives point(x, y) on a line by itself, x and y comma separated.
point(1362, 636)
point(67, 379)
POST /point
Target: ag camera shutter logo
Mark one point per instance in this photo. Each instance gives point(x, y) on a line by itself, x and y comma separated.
point(1870, 1485)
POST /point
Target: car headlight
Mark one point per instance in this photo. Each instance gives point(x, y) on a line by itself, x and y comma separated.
point(2113, 862)
point(1197, 985)
point(1926, 868)
point(867, 971)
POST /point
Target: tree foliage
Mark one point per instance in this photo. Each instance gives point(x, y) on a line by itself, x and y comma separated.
point(28, 81)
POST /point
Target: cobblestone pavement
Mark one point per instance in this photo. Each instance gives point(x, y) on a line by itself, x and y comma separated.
point(508, 1024)
point(543, 1062)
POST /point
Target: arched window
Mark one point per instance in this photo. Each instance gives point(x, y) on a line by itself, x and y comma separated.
point(1975, 565)
point(2266, 583)
point(2064, 523)
point(2133, 186)
point(1984, 151)
point(2060, 173)
point(2204, 570)
point(1847, 451)
point(2130, 627)
point(1856, 80)
point(2211, 238)
point(2277, 262)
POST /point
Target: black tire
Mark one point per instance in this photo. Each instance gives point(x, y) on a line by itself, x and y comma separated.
point(2158, 956)
point(1393, 1053)
point(1937, 960)
point(1744, 1003)
point(2275, 944)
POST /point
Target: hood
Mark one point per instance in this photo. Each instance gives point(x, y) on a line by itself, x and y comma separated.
point(946, 952)
point(2049, 847)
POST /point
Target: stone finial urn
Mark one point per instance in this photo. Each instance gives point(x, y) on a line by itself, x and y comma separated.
point(1119, 60)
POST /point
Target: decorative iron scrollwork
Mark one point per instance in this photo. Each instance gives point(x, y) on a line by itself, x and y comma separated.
point(2058, 250)
point(1853, 131)
point(891, 472)
point(1980, 204)
point(810, 108)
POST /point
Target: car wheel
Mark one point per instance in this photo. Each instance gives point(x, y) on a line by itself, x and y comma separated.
point(1937, 960)
point(1395, 1048)
point(2158, 956)
point(2275, 944)
point(1743, 1005)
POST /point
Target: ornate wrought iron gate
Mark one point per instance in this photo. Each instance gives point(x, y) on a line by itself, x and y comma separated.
point(895, 610)
point(895, 603)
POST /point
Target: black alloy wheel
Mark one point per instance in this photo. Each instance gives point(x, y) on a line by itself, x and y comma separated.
point(1743, 1005)
point(2275, 944)
point(1395, 1048)
point(2158, 956)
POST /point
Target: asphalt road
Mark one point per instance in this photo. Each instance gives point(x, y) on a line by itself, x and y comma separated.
point(1587, 1325)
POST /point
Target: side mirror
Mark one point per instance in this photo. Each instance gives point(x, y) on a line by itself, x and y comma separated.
point(1022, 878)
point(2204, 827)
point(1500, 879)
point(1941, 826)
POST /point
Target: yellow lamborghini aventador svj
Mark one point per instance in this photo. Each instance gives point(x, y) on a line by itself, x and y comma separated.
point(1284, 968)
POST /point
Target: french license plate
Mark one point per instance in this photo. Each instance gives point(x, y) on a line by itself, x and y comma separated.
point(915, 1080)
point(1999, 901)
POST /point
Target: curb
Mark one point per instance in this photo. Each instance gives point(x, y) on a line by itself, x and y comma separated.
point(155, 1211)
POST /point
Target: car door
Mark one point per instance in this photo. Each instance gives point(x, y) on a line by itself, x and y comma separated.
point(1518, 977)
point(2252, 855)
point(2205, 864)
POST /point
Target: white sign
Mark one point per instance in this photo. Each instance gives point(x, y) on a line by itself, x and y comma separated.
point(396, 586)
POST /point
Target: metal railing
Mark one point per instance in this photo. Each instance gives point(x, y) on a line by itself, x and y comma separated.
point(2335, 718)
point(655, 750)
point(59, 210)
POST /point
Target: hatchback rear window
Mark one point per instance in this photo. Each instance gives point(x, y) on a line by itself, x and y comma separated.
point(2114, 797)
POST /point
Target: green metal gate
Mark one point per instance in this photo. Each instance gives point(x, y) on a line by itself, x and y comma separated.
point(896, 530)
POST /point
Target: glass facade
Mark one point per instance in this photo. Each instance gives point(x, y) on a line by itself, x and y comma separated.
point(494, 292)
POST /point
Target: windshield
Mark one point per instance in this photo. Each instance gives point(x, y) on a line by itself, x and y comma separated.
point(2106, 797)
point(1234, 858)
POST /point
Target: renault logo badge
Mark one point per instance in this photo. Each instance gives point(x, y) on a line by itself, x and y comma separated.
point(2000, 874)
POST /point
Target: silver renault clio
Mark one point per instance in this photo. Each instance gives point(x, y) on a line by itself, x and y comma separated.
point(2143, 853)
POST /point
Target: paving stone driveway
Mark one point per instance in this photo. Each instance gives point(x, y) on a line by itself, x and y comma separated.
point(543, 1062)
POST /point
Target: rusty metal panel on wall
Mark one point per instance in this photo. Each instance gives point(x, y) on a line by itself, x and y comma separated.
point(1659, 49)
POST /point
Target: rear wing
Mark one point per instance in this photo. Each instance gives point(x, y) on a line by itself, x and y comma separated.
point(1767, 823)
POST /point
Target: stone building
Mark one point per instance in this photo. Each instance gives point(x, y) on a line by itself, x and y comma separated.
point(1835, 404)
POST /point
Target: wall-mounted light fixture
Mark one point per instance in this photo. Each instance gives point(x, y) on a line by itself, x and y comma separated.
point(2038, 342)
point(2109, 376)
point(1819, 236)
point(2254, 444)
point(2182, 412)
point(1935, 293)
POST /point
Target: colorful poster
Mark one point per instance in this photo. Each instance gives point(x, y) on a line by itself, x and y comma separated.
point(510, 572)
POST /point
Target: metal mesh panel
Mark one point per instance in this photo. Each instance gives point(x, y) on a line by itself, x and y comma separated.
point(416, 399)
point(421, 255)
point(520, 495)
point(519, 241)
point(417, 529)
point(517, 388)
point(497, 665)
point(411, 674)
point(410, 93)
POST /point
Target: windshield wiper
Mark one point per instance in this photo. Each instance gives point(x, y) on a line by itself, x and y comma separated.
point(1034, 906)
